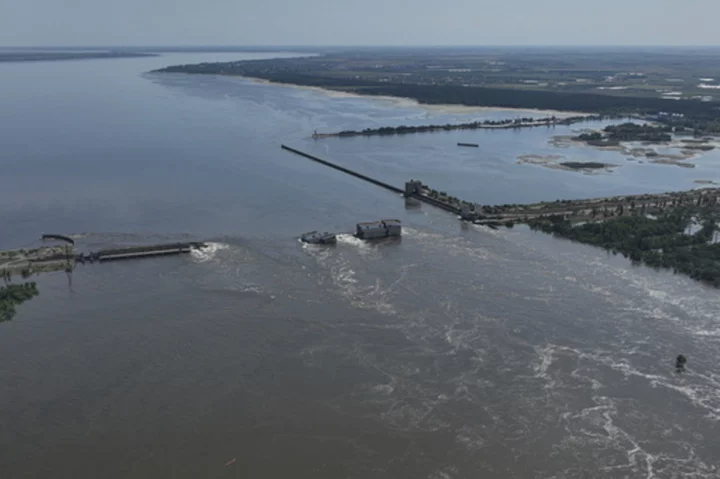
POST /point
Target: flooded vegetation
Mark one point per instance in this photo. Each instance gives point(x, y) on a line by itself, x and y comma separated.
point(12, 295)
point(660, 236)
point(29, 261)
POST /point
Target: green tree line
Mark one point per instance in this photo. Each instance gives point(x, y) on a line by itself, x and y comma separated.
point(660, 243)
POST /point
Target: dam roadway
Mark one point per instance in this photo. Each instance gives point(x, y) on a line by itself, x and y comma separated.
point(578, 210)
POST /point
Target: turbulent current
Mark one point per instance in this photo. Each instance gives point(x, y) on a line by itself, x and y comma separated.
point(456, 351)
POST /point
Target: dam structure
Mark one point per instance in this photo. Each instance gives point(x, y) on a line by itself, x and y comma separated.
point(578, 210)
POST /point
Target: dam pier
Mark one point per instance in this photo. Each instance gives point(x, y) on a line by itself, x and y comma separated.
point(347, 171)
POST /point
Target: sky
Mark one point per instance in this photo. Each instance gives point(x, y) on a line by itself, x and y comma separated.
point(358, 22)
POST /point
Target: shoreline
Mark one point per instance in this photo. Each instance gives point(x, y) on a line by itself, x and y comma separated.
point(440, 108)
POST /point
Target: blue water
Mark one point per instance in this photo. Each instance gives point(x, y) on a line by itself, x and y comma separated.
point(456, 352)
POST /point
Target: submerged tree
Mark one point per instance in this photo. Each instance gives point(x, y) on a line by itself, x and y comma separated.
point(13, 295)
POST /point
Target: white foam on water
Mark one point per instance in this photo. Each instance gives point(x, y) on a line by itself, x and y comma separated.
point(319, 252)
point(445, 473)
point(487, 230)
point(455, 246)
point(468, 337)
point(347, 238)
point(344, 277)
point(602, 416)
point(701, 390)
point(251, 289)
point(361, 294)
point(663, 298)
point(202, 255)
point(411, 232)
point(385, 389)
point(596, 426)
point(714, 333)
point(545, 360)
point(362, 246)
point(676, 300)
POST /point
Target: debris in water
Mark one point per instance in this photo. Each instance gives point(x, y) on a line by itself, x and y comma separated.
point(231, 462)
point(680, 363)
point(313, 237)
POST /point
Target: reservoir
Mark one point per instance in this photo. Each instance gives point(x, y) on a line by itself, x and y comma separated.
point(457, 352)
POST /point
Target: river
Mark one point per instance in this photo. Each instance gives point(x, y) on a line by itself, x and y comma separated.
point(456, 352)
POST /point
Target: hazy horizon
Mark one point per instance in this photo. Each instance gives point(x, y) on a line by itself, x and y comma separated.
point(348, 46)
point(372, 23)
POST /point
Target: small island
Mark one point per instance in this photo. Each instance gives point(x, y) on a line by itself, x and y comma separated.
point(612, 135)
point(700, 147)
point(581, 165)
point(553, 161)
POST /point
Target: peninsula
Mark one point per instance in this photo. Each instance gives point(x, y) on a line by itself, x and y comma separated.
point(526, 122)
point(589, 81)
